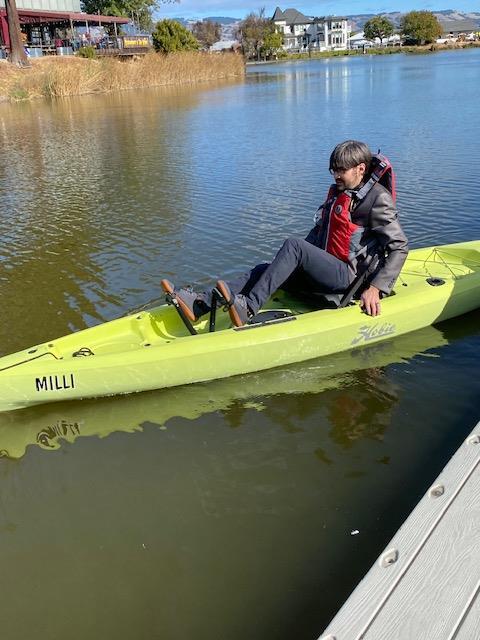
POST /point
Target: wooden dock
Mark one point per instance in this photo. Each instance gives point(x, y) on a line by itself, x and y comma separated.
point(426, 583)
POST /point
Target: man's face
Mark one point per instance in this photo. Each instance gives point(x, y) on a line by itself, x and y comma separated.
point(349, 178)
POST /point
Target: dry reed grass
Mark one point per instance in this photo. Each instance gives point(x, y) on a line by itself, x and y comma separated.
point(54, 77)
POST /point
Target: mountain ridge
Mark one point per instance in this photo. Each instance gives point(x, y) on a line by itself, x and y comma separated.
point(357, 21)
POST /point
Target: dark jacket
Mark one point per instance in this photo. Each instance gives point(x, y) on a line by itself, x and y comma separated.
point(378, 215)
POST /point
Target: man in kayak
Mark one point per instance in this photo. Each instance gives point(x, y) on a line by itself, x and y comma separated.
point(358, 218)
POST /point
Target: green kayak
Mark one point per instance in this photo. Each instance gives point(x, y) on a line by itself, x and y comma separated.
point(50, 425)
point(153, 349)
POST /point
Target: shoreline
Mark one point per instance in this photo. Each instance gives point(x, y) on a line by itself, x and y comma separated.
point(59, 77)
point(374, 51)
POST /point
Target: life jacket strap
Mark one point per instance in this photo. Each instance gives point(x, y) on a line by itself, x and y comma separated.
point(360, 281)
point(381, 165)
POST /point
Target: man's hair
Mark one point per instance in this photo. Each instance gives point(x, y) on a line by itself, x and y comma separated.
point(349, 154)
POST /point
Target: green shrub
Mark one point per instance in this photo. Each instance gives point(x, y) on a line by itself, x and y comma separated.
point(87, 52)
point(18, 93)
point(170, 36)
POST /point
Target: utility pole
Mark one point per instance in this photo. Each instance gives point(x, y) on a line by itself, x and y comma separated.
point(17, 52)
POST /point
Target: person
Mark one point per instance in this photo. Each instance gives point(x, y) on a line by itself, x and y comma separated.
point(358, 218)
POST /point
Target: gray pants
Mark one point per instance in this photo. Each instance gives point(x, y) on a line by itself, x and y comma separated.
point(299, 266)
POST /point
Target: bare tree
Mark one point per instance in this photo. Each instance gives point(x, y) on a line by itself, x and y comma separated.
point(207, 32)
point(252, 32)
point(17, 52)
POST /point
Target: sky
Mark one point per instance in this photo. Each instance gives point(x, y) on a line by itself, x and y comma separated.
point(240, 8)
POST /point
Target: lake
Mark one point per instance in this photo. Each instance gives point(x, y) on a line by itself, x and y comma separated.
point(248, 507)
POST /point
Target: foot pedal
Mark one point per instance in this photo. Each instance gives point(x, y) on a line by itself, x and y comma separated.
point(171, 299)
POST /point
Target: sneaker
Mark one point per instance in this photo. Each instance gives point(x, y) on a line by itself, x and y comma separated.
point(186, 298)
point(237, 306)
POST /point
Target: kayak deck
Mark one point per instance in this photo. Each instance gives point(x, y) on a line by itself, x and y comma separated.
point(436, 262)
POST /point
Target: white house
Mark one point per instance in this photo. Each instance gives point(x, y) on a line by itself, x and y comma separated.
point(302, 32)
point(358, 41)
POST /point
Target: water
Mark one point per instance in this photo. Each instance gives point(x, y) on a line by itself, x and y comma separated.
point(221, 510)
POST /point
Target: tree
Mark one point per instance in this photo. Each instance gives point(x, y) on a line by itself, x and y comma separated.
point(207, 32)
point(272, 43)
point(378, 27)
point(17, 51)
point(140, 11)
point(170, 36)
point(421, 26)
point(252, 32)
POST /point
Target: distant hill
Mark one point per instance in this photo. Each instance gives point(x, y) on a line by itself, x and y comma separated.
point(358, 21)
point(229, 25)
point(223, 20)
point(180, 20)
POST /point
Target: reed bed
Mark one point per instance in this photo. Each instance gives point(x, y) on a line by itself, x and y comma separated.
point(55, 77)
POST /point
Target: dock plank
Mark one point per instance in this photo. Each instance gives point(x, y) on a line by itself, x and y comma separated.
point(433, 593)
point(425, 584)
point(469, 624)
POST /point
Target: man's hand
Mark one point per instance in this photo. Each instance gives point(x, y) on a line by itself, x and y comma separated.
point(370, 301)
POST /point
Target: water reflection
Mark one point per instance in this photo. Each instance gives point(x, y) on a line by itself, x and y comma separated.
point(88, 196)
point(364, 410)
point(296, 80)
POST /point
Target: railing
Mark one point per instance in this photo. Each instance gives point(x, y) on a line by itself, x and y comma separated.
point(107, 46)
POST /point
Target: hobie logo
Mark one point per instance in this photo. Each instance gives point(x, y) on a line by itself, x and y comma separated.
point(55, 383)
point(374, 331)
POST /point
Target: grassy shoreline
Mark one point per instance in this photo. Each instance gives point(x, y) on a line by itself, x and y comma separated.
point(377, 51)
point(57, 77)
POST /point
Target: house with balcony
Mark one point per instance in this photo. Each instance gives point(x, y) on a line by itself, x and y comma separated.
point(306, 33)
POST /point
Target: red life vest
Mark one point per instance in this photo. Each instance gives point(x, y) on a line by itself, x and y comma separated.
point(340, 236)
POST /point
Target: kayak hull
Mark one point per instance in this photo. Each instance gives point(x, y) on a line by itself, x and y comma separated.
point(153, 350)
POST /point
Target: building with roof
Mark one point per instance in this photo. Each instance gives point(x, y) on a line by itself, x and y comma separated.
point(359, 41)
point(301, 33)
point(58, 27)
point(453, 29)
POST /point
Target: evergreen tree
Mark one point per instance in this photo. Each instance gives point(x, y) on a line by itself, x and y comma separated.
point(170, 36)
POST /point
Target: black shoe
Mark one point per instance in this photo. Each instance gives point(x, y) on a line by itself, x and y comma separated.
point(186, 298)
point(237, 306)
